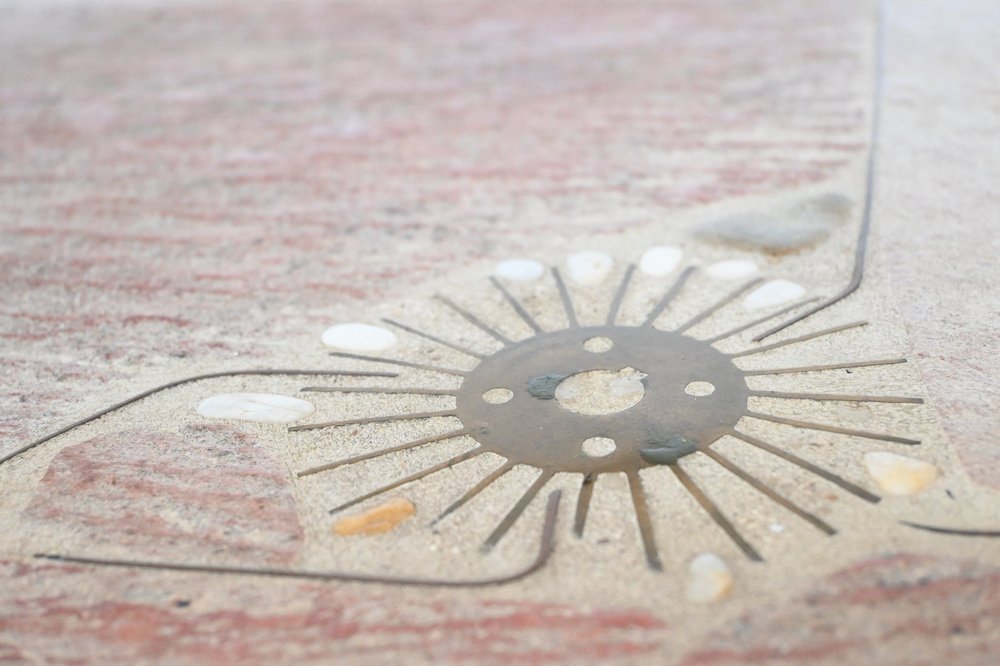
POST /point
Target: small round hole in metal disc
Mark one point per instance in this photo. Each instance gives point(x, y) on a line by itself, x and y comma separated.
point(598, 345)
point(598, 447)
point(498, 396)
point(699, 388)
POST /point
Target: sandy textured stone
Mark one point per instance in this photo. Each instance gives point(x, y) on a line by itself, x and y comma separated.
point(210, 494)
point(893, 611)
point(899, 475)
point(377, 520)
point(263, 407)
point(709, 579)
point(140, 618)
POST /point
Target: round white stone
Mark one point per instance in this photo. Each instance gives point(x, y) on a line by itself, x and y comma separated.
point(772, 293)
point(359, 337)
point(267, 407)
point(589, 267)
point(519, 270)
point(899, 475)
point(734, 269)
point(709, 578)
point(660, 260)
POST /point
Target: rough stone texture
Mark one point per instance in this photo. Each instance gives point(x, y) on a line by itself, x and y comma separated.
point(186, 185)
point(119, 616)
point(883, 611)
point(940, 239)
point(208, 494)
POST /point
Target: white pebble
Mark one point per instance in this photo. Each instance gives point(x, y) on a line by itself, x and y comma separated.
point(709, 579)
point(267, 407)
point(589, 267)
point(899, 475)
point(771, 293)
point(660, 260)
point(519, 270)
point(359, 337)
point(734, 269)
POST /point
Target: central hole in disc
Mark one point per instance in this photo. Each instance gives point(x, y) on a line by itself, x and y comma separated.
point(597, 392)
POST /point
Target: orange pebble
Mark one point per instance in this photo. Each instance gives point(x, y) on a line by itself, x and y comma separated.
point(377, 520)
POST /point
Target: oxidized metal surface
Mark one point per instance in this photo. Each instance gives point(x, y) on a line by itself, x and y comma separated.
point(540, 432)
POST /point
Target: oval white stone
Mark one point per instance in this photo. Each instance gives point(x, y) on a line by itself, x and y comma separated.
point(519, 270)
point(268, 407)
point(359, 337)
point(899, 475)
point(771, 293)
point(589, 267)
point(660, 260)
point(733, 269)
point(709, 578)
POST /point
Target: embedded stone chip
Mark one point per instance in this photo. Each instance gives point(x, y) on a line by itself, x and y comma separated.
point(263, 407)
point(519, 270)
point(733, 269)
point(587, 268)
point(377, 520)
point(772, 293)
point(899, 475)
point(660, 260)
point(359, 337)
point(709, 579)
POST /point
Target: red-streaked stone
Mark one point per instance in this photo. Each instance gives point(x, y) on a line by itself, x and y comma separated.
point(210, 493)
point(892, 611)
point(62, 614)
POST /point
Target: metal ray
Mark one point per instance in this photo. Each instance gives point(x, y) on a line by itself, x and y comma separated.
point(474, 320)
point(616, 304)
point(669, 296)
point(837, 397)
point(374, 419)
point(816, 368)
point(518, 308)
point(377, 390)
point(712, 510)
point(726, 300)
point(180, 382)
point(761, 320)
point(382, 452)
point(763, 488)
point(952, 531)
point(475, 490)
point(852, 488)
point(645, 522)
point(834, 429)
point(493, 539)
point(433, 338)
point(801, 338)
point(583, 503)
point(462, 457)
point(404, 364)
point(565, 298)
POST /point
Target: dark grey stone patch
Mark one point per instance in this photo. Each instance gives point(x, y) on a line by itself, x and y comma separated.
point(805, 224)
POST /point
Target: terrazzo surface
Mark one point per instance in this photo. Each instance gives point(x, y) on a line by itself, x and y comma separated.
point(197, 187)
